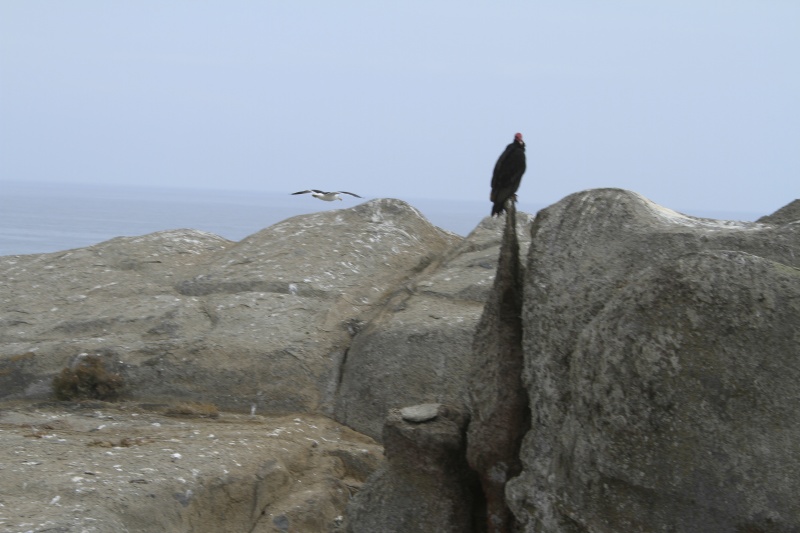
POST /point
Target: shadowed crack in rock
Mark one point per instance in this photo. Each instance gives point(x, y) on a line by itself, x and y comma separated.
point(447, 466)
point(500, 415)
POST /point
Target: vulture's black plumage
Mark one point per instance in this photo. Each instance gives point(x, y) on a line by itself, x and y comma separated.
point(507, 175)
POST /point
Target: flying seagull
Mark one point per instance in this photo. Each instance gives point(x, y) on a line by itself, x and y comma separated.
point(508, 174)
point(327, 196)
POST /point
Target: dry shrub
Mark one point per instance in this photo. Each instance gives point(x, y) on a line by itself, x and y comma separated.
point(88, 379)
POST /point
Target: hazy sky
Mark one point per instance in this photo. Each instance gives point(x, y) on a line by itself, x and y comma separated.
point(694, 104)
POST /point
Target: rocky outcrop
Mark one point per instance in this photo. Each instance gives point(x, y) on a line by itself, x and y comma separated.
point(265, 322)
point(660, 361)
point(263, 325)
point(106, 468)
point(439, 475)
point(498, 402)
point(784, 215)
point(425, 483)
point(662, 365)
point(418, 349)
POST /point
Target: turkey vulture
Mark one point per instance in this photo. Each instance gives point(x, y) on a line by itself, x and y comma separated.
point(507, 174)
point(327, 196)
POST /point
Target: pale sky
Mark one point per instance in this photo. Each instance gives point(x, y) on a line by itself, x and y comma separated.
point(695, 104)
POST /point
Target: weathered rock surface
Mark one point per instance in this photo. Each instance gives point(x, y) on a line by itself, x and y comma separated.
point(454, 480)
point(418, 349)
point(784, 215)
point(184, 314)
point(424, 484)
point(420, 413)
point(663, 362)
point(103, 468)
point(498, 401)
point(660, 357)
point(263, 324)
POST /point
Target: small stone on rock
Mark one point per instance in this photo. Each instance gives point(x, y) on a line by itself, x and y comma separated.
point(420, 413)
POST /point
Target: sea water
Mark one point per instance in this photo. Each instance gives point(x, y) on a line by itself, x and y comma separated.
point(42, 218)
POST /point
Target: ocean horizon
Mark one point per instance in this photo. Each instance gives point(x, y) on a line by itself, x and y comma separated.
point(44, 217)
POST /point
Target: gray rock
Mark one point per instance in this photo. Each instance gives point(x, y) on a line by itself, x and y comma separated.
point(660, 358)
point(74, 467)
point(418, 348)
point(425, 483)
point(186, 314)
point(785, 215)
point(498, 401)
point(420, 413)
point(662, 366)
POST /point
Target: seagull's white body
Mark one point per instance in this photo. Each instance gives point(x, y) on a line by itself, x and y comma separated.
point(326, 196)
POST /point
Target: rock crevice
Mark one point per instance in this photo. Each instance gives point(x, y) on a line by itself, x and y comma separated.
point(639, 373)
point(662, 362)
point(498, 401)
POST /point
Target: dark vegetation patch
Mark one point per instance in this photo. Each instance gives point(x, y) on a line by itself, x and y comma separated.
point(88, 379)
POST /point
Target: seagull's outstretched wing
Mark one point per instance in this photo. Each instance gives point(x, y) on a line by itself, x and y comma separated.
point(350, 193)
point(308, 191)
